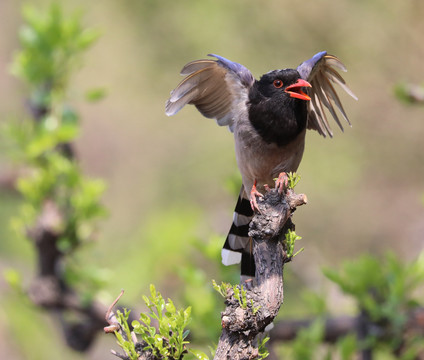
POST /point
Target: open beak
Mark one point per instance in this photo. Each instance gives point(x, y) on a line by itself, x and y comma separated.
point(295, 90)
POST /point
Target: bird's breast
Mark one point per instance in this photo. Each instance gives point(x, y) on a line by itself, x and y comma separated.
point(262, 161)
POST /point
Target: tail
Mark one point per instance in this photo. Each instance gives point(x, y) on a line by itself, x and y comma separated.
point(237, 246)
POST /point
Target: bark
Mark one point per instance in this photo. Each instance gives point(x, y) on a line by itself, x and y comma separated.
point(242, 324)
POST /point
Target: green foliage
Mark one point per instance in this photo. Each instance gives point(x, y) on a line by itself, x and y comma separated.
point(309, 344)
point(14, 279)
point(262, 350)
point(347, 347)
point(96, 94)
point(240, 295)
point(384, 289)
point(51, 47)
point(293, 178)
point(221, 289)
point(290, 241)
point(200, 355)
point(315, 303)
point(308, 341)
point(125, 341)
point(167, 340)
point(52, 43)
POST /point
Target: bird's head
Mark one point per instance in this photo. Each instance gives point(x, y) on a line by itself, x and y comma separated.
point(282, 84)
point(277, 105)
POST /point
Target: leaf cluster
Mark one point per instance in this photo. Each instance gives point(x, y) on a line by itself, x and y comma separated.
point(383, 288)
point(239, 293)
point(293, 179)
point(162, 330)
point(168, 341)
point(51, 47)
point(309, 343)
point(290, 240)
point(52, 43)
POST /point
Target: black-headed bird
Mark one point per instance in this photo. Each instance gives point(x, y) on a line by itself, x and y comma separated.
point(268, 117)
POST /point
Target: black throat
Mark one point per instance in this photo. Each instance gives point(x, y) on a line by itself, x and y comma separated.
point(278, 118)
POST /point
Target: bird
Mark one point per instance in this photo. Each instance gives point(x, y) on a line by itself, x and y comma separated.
point(269, 119)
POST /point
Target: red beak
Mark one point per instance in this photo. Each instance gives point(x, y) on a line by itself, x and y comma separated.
point(295, 90)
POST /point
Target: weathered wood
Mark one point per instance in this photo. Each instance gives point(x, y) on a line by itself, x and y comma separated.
point(264, 296)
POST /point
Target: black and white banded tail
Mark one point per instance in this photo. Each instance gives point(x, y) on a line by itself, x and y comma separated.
point(238, 246)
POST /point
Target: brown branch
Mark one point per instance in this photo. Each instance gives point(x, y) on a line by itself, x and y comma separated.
point(241, 324)
point(49, 290)
point(8, 180)
point(335, 328)
point(338, 327)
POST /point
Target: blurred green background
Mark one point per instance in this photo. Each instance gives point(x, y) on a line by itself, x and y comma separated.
point(168, 178)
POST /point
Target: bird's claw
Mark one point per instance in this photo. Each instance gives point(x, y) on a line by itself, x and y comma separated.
point(253, 194)
point(282, 182)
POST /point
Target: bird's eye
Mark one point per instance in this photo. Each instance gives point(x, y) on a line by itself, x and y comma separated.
point(278, 83)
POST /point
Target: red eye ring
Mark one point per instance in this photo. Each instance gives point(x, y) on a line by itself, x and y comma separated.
point(278, 83)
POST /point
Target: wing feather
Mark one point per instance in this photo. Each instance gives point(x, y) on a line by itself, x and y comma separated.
point(215, 87)
point(321, 122)
point(321, 72)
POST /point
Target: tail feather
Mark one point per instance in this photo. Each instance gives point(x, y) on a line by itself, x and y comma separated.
point(237, 246)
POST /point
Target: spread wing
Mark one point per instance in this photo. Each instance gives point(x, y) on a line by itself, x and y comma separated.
point(215, 87)
point(321, 72)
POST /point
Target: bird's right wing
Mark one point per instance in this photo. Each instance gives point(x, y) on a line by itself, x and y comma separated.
point(218, 88)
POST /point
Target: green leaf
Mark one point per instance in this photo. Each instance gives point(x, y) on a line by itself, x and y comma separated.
point(13, 278)
point(96, 94)
point(200, 355)
point(170, 307)
point(87, 37)
point(347, 346)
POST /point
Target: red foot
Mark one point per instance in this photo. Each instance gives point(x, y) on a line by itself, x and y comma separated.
point(253, 193)
point(282, 182)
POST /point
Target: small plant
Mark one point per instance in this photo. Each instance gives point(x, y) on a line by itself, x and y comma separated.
point(291, 238)
point(240, 295)
point(167, 340)
point(221, 289)
point(293, 179)
point(262, 350)
point(125, 341)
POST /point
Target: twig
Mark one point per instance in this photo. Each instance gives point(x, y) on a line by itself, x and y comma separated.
point(111, 318)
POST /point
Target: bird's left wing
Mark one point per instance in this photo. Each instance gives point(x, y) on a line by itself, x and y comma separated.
point(321, 72)
point(215, 87)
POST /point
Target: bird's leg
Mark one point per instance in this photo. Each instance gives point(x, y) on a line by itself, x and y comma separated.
point(282, 182)
point(253, 193)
